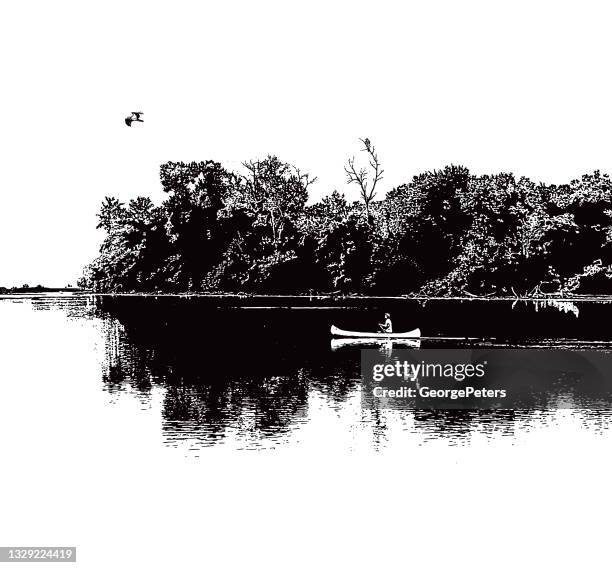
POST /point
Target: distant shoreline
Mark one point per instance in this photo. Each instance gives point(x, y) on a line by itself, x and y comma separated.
point(39, 290)
point(335, 297)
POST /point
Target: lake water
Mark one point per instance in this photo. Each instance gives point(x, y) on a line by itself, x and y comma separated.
point(193, 375)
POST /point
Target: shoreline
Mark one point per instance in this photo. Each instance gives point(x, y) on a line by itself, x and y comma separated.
point(302, 297)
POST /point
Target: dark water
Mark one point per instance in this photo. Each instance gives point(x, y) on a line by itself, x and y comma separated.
point(253, 374)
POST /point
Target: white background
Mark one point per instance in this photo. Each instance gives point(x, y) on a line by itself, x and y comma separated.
point(521, 86)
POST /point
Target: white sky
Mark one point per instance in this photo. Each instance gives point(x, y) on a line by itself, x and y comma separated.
point(520, 86)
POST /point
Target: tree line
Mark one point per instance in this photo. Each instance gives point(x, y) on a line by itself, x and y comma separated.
point(445, 232)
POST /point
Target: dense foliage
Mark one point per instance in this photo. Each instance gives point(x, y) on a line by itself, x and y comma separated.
point(444, 233)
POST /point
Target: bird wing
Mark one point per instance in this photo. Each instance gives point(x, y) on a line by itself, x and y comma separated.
point(137, 114)
point(128, 121)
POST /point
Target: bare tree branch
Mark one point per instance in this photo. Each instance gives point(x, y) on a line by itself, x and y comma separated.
point(304, 179)
point(360, 177)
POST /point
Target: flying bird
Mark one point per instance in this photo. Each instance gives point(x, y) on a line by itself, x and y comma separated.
point(134, 117)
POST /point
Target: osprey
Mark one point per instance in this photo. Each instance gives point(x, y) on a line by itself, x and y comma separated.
point(134, 117)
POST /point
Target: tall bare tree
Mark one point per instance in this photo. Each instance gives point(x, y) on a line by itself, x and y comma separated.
point(366, 181)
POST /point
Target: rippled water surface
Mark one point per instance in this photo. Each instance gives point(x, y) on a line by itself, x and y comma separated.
point(198, 374)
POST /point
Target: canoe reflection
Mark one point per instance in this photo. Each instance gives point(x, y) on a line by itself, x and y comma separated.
point(382, 344)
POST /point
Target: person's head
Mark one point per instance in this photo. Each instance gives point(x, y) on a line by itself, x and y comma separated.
point(387, 316)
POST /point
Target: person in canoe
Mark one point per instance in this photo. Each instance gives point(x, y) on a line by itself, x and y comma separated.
point(386, 326)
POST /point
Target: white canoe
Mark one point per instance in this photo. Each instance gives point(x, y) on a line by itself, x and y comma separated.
point(375, 335)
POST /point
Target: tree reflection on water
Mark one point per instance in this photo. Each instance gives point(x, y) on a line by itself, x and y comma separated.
point(253, 376)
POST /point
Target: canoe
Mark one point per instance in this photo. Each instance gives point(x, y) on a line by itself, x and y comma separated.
point(374, 342)
point(374, 334)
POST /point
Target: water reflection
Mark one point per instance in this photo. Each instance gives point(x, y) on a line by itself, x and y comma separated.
point(563, 306)
point(263, 378)
point(257, 384)
point(385, 345)
point(213, 388)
